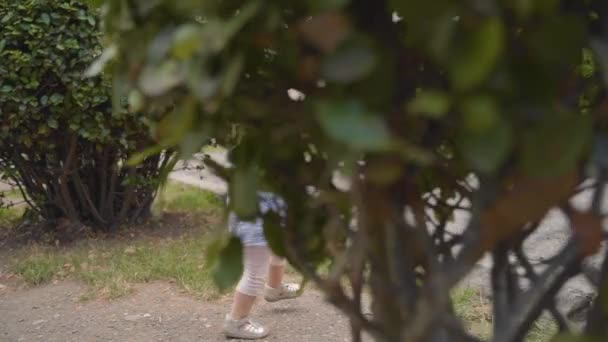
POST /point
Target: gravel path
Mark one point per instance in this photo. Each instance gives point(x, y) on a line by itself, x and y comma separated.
point(155, 312)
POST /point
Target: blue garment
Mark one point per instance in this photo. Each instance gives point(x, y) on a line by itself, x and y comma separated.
point(251, 233)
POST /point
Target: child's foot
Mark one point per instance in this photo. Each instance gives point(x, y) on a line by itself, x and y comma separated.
point(285, 291)
point(244, 329)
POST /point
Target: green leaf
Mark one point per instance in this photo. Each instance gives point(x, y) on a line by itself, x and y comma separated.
point(588, 67)
point(478, 55)
point(326, 5)
point(99, 64)
point(349, 63)
point(229, 266)
point(45, 18)
point(232, 74)
point(246, 12)
point(421, 16)
point(555, 145)
point(138, 158)
point(163, 175)
point(526, 8)
point(480, 113)
point(275, 234)
point(156, 80)
point(174, 126)
point(6, 18)
point(95, 3)
point(56, 98)
point(349, 123)
point(563, 51)
point(486, 138)
point(136, 101)
point(431, 103)
point(52, 123)
point(187, 41)
point(215, 246)
point(243, 192)
point(191, 143)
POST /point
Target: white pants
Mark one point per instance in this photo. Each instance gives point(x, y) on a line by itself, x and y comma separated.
point(256, 261)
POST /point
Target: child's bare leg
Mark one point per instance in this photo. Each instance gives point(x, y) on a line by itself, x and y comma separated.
point(241, 305)
point(276, 272)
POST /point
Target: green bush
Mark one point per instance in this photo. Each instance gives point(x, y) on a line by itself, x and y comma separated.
point(61, 141)
point(489, 113)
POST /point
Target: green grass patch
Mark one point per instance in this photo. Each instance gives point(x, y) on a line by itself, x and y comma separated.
point(9, 216)
point(475, 310)
point(39, 269)
point(178, 197)
point(12, 207)
point(111, 267)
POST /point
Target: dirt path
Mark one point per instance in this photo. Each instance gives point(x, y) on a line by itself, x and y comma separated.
point(155, 312)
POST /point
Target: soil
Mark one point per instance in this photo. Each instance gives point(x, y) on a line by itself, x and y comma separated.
point(155, 312)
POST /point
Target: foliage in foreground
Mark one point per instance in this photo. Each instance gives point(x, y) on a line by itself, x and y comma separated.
point(61, 143)
point(431, 108)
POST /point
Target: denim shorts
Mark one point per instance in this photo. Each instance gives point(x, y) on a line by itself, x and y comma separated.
point(251, 233)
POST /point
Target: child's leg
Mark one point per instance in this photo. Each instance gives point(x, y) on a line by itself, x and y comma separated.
point(251, 285)
point(276, 271)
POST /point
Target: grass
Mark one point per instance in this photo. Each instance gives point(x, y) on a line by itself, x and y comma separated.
point(10, 215)
point(111, 267)
point(178, 197)
point(476, 311)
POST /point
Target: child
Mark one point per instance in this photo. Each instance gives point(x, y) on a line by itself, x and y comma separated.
point(263, 272)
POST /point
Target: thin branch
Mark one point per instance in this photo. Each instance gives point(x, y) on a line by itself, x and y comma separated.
point(63, 183)
point(531, 274)
point(84, 193)
point(529, 306)
point(597, 317)
point(500, 285)
point(598, 196)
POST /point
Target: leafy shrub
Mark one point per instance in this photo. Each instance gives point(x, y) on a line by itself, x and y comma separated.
point(61, 141)
point(491, 113)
